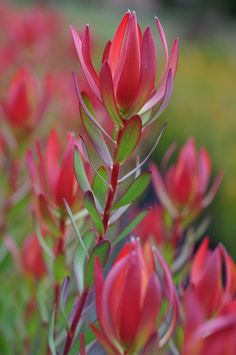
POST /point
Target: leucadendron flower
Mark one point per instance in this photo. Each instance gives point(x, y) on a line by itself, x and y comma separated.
point(209, 303)
point(129, 301)
point(183, 187)
point(52, 174)
point(25, 102)
point(127, 82)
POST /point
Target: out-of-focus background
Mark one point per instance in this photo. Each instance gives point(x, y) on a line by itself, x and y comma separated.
point(204, 101)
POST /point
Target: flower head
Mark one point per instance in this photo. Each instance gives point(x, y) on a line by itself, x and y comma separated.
point(53, 177)
point(209, 302)
point(128, 300)
point(182, 188)
point(24, 104)
point(126, 84)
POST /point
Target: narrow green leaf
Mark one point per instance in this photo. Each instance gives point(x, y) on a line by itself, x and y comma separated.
point(64, 291)
point(139, 165)
point(118, 213)
point(130, 227)
point(60, 271)
point(41, 240)
point(51, 341)
point(134, 190)
point(80, 173)
point(94, 134)
point(75, 227)
point(102, 251)
point(128, 139)
point(41, 296)
point(80, 258)
point(90, 206)
point(98, 186)
point(91, 162)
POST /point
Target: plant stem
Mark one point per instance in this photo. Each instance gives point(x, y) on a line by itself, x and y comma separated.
point(110, 196)
point(59, 250)
point(75, 321)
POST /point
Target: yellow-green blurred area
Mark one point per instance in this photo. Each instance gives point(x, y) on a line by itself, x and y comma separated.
point(204, 101)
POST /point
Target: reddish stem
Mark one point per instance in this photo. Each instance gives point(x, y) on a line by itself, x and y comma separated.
point(59, 250)
point(110, 196)
point(75, 321)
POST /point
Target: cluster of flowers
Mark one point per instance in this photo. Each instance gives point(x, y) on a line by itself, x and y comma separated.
point(158, 294)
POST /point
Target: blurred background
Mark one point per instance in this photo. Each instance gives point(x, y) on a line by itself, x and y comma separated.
point(204, 101)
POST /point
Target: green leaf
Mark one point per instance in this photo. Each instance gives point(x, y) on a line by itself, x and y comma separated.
point(41, 240)
point(94, 134)
point(128, 139)
point(41, 296)
point(90, 206)
point(64, 291)
point(80, 173)
point(75, 227)
point(139, 165)
point(102, 251)
point(91, 162)
point(98, 186)
point(134, 190)
point(80, 258)
point(130, 227)
point(60, 271)
point(51, 341)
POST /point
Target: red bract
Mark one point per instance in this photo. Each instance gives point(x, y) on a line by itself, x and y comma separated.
point(53, 178)
point(216, 336)
point(182, 188)
point(209, 303)
point(126, 84)
point(152, 226)
point(128, 300)
point(32, 257)
point(215, 271)
point(24, 103)
point(157, 226)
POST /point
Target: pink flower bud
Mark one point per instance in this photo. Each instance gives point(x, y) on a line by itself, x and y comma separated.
point(24, 103)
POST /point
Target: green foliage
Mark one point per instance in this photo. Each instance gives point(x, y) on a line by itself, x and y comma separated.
point(101, 251)
point(128, 139)
point(134, 190)
point(89, 204)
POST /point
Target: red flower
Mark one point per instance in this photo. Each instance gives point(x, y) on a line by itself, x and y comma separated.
point(32, 257)
point(53, 177)
point(126, 84)
point(157, 226)
point(210, 304)
point(24, 104)
point(183, 187)
point(128, 300)
point(152, 226)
